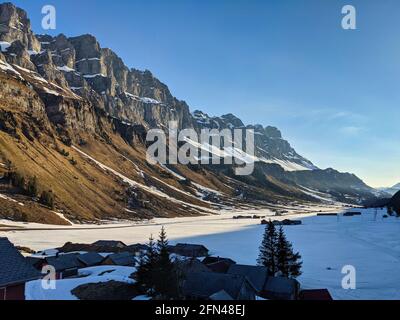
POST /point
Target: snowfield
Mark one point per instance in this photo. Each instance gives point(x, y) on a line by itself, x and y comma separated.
point(35, 291)
point(326, 244)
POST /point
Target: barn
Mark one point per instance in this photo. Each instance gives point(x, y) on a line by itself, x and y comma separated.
point(15, 271)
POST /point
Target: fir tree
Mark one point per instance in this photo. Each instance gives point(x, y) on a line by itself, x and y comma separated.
point(166, 282)
point(32, 188)
point(268, 250)
point(145, 272)
point(283, 254)
point(289, 262)
point(47, 199)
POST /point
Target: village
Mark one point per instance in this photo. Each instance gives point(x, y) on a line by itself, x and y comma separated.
point(111, 269)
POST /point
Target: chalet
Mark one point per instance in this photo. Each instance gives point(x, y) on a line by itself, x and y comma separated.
point(191, 266)
point(90, 259)
point(136, 248)
point(110, 243)
point(217, 264)
point(316, 295)
point(210, 285)
point(66, 265)
point(15, 271)
point(256, 275)
point(280, 288)
point(189, 250)
point(120, 259)
point(272, 288)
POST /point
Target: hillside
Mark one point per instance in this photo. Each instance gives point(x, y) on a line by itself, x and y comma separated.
point(74, 116)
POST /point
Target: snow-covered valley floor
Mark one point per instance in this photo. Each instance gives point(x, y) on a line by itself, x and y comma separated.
point(325, 243)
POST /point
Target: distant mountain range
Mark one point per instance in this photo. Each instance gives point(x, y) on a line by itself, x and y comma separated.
point(392, 190)
point(76, 117)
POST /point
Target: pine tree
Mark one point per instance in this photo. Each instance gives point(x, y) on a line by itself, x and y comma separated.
point(145, 272)
point(166, 280)
point(47, 199)
point(32, 188)
point(289, 262)
point(283, 254)
point(268, 250)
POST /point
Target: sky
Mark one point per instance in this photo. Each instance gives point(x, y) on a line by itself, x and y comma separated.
point(333, 93)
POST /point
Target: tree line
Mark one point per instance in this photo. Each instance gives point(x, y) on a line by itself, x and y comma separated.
point(28, 185)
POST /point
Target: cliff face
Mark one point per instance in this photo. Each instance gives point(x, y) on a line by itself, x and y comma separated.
point(76, 117)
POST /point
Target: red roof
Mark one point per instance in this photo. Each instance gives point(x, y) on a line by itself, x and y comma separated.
point(317, 294)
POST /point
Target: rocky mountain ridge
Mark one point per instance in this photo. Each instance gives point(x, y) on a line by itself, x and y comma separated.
point(72, 108)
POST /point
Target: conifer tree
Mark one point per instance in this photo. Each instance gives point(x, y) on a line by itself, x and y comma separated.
point(166, 282)
point(32, 188)
point(283, 253)
point(289, 262)
point(147, 263)
point(268, 249)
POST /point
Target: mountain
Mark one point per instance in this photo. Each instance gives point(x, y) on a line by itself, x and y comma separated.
point(74, 116)
point(392, 190)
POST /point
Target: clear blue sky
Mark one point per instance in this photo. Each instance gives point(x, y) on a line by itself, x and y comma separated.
point(333, 93)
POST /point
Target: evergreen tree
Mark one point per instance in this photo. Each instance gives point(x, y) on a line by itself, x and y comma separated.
point(268, 249)
point(288, 262)
point(295, 265)
point(47, 199)
point(32, 188)
point(283, 253)
point(166, 281)
point(145, 272)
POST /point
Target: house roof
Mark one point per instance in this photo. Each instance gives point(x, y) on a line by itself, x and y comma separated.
point(90, 259)
point(136, 247)
point(14, 268)
point(64, 261)
point(256, 275)
point(280, 285)
point(109, 243)
point(122, 259)
point(188, 246)
point(316, 295)
point(219, 266)
point(192, 266)
point(209, 260)
point(189, 250)
point(205, 284)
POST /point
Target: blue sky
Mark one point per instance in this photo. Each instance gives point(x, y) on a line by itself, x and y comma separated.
point(333, 93)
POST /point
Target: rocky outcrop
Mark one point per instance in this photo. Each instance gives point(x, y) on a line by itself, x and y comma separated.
point(15, 25)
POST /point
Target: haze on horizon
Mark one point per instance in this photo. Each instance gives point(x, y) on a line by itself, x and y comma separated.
point(333, 93)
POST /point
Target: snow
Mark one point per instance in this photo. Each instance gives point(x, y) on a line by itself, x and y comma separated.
point(35, 291)
point(141, 298)
point(4, 197)
point(7, 67)
point(176, 175)
point(109, 270)
point(145, 100)
point(88, 59)
point(4, 46)
point(133, 183)
point(65, 69)
point(52, 92)
point(326, 244)
point(91, 76)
